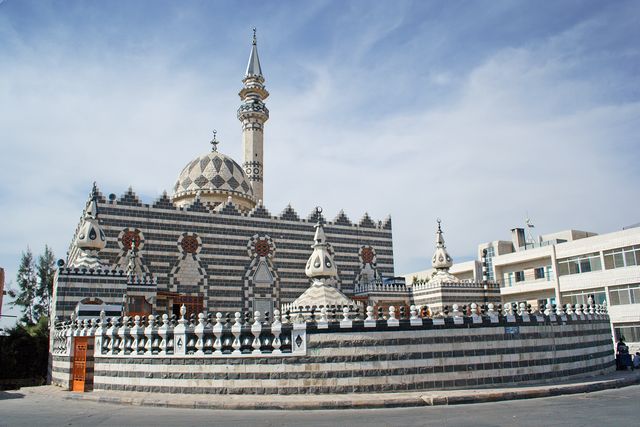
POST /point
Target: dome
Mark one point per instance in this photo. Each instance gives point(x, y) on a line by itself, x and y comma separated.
point(213, 177)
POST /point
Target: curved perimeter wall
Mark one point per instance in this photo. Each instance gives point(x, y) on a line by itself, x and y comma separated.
point(382, 359)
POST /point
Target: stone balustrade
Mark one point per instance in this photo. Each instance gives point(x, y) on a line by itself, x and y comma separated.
point(379, 286)
point(253, 334)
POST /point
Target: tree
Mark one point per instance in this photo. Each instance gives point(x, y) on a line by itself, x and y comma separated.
point(35, 285)
point(27, 285)
point(44, 290)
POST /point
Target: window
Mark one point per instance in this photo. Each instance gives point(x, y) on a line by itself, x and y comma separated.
point(489, 261)
point(630, 333)
point(538, 273)
point(519, 276)
point(507, 279)
point(628, 294)
point(622, 257)
point(549, 269)
point(138, 306)
point(579, 264)
point(582, 297)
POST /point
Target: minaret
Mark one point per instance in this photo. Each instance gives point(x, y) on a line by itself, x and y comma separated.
point(253, 113)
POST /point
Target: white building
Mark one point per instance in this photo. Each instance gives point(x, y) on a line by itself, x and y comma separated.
point(565, 267)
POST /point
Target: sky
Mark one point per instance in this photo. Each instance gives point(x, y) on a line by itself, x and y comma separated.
point(481, 113)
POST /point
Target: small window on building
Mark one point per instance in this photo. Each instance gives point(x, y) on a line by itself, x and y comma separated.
point(630, 333)
point(538, 273)
point(627, 294)
point(519, 276)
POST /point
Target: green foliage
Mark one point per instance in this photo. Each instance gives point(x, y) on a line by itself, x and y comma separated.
point(24, 352)
point(35, 285)
point(45, 270)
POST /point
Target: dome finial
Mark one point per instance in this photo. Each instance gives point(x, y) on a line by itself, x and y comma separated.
point(319, 212)
point(214, 142)
point(255, 40)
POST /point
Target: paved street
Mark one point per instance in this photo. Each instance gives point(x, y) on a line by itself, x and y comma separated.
point(610, 407)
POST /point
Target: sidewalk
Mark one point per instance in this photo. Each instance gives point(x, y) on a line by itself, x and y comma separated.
point(346, 401)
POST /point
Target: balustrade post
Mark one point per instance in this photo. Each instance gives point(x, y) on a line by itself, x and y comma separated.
point(69, 338)
point(392, 321)
point(135, 336)
point(299, 338)
point(256, 329)
point(180, 334)
point(112, 336)
point(493, 315)
point(164, 334)
point(524, 314)
point(568, 310)
point(475, 315)
point(217, 332)
point(199, 331)
point(236, 330)
point(560, 312)
point(123, 341)
point(150, 332)
point(510, 315)
point(369, 321)
point(276, 330)
point(414, 319)
point(345, 322)
point(100, 334)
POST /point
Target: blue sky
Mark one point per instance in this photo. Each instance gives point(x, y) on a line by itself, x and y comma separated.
point(474, 112)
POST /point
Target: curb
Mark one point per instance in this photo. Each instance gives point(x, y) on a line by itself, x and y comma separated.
point(390, 401)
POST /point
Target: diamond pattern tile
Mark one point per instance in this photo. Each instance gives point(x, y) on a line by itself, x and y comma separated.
point(213, 171)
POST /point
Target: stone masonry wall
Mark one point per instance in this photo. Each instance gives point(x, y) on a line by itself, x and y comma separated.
point(400, 358)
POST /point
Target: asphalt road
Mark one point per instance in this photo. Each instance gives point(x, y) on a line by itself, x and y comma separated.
point(618, 407)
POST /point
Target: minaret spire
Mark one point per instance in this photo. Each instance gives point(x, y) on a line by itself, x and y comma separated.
point(253, 114)
point(253, 67)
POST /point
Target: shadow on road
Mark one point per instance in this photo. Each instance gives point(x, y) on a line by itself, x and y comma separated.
point(5, 395)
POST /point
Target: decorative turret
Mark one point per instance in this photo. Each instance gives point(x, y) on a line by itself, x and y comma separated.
point(323, 272)
point(253, 114)
point(320, 264)
point(90, 238)
point(441, 261)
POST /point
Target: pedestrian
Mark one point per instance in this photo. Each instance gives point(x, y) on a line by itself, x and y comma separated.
point(623, 359)
point(636, 360)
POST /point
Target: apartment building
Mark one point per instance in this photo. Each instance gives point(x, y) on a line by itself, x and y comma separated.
point(566, 267)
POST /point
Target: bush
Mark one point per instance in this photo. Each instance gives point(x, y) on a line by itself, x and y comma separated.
point(24, 352)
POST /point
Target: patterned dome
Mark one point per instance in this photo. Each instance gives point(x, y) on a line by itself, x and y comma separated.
point(213, 174)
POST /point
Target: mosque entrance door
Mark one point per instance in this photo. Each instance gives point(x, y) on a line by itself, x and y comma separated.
point(79, 370)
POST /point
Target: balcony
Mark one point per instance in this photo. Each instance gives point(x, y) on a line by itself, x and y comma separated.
point(528, 286)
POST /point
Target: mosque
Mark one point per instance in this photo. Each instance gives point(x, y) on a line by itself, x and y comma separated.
point(213, 245)
point(207, 292)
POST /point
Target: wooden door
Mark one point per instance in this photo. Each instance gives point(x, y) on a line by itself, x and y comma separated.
point(79, 371)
